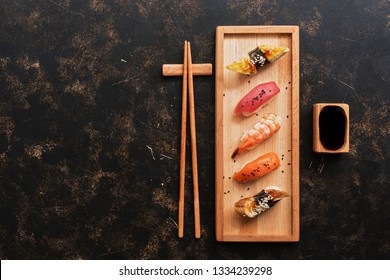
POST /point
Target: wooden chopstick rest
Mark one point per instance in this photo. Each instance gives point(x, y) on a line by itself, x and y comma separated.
point(201, 69)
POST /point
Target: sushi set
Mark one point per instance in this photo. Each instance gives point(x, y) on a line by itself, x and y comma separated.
point(257, 133)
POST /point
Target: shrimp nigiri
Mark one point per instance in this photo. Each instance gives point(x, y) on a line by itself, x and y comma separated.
point(262, 130)
point(254, 205)
point(257, 168)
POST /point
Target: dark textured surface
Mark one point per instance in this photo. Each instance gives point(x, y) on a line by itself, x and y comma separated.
point(89, 128)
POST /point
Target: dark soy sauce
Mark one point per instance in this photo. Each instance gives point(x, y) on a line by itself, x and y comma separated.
point(332, 123)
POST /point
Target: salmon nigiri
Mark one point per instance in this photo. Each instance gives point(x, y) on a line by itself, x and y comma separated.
point(256, 98)
point(257, 168)
point(262, 130)
point(255, 205)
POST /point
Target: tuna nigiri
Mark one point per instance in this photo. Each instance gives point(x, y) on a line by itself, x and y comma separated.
point(257, 168)
point(254, 205)
point(256, 98)
point(262, 130)
point(257, 58)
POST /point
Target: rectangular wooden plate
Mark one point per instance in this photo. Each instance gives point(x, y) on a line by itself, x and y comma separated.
point(281, 222)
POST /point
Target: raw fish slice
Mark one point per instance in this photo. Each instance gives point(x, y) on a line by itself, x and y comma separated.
point(256, 98)
point(257, 168)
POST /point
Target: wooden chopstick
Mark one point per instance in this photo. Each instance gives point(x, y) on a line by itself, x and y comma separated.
point(183, 144)
point(193, 143)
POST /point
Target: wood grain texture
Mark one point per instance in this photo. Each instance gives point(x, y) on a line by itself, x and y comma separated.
point(280, 223)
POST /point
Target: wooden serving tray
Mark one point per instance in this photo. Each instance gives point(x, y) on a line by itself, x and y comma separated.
point(281, 222)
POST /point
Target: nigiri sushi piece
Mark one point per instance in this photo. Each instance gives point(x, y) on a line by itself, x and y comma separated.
point(262, 130)
point(255, 205)
point(257, 168)
point(256, 98)
point(257, 58)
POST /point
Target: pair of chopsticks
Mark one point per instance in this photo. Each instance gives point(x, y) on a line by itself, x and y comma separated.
point(188, 87)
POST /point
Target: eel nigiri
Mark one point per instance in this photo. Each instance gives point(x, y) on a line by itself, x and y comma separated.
point(262, 130)
point(254, 205)
point(256, 98)
point(257, 168)
point(257, 58)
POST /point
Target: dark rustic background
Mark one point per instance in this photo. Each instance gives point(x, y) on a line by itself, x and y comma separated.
point(89, 128)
